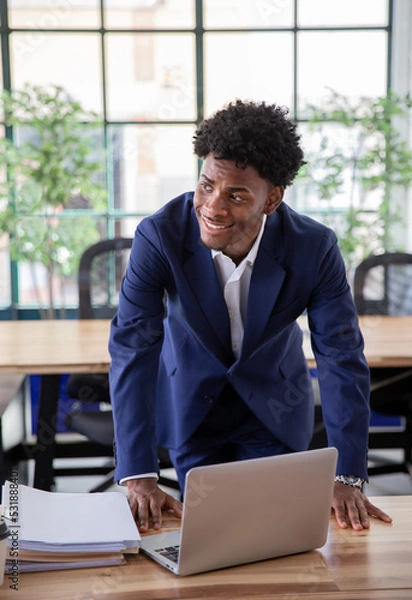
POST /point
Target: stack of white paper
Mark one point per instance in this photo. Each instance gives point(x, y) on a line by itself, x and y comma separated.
point(56, 530)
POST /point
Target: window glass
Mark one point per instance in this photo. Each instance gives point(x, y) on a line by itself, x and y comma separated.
point(316, 13)
point(1, 72)
point(352, 63)
point(126, 226)
point(230, 68)
point(151, 77)
point(72, 61)
point(229, 14)
point(37, 287)
point(5, 292)
point(55, 14)
point(150, 165)
point(344, 145)
point(154, 14)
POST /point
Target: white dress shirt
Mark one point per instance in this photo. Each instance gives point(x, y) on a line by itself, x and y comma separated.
point(235, 282)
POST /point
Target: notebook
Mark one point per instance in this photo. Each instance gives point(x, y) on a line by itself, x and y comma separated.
point(241, 512)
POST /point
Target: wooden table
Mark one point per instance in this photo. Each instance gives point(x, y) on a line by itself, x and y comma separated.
point(388, 340)
point(54, 346)
point(66, 346)
point(51, 348)
point(374, 564)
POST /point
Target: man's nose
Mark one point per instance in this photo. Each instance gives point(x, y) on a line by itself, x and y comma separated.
point(216, 203)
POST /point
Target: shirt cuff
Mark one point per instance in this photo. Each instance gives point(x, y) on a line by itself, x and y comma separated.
point(142, 476)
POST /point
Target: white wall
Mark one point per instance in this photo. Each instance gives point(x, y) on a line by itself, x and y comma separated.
point(402, 83)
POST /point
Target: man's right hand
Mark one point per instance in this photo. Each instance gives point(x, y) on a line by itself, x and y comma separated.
point(147, 501)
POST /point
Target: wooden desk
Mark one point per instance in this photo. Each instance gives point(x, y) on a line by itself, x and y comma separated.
point(374, 564)
point(54, 347)
point(80, 346)
point(51, 348)
point(388, 340)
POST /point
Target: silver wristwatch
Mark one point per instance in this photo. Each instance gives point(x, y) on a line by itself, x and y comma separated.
point(351, 480)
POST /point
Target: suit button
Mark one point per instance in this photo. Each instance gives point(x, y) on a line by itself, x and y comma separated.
point(208, 399)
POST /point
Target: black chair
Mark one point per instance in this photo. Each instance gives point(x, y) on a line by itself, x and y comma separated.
point(101, 270)
point(383, 286)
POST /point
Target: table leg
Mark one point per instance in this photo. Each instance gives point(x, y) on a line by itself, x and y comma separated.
point(46, 431)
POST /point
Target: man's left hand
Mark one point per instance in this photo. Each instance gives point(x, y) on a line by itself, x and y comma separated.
point(352, 508)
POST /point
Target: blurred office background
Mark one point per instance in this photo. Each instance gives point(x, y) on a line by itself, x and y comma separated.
point(150, 70)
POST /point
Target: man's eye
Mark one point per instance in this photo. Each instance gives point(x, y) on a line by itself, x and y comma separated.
point(206, 187)
point(236, 198)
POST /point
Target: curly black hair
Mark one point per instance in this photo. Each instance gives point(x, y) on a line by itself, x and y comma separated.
point(256, 134)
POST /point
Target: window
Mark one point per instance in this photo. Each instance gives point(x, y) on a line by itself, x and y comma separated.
point(151, 69)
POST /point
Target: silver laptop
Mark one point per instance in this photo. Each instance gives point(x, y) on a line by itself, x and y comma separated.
point(241, 512)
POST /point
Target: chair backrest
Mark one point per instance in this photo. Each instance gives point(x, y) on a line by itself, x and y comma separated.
point(383, 284)
point(101, 271)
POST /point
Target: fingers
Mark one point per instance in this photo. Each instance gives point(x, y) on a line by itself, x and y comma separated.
point(357, 514)
point(352, 508)
point(156, 512)
point(142, 516)
point(376, 512)
point(147, 507)
point(348, 515)
point(175, 506)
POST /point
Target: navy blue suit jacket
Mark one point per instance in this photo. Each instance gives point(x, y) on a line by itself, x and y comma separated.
point(165, 369)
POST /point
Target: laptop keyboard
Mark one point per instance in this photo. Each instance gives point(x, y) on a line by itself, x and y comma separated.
point(170, 552)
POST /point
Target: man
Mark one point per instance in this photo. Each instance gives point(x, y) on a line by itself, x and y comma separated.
point(222, 376)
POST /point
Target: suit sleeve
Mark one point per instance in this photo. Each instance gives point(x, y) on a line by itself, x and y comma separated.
point(343, 372)
point(135, 342)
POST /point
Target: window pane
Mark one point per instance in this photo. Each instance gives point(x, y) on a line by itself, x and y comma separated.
point(72, 61)
point(313, 13)
point(336, 160)
point(58, 14)
point(126, 226)
point(151, 77)
point(352, 63)
point(1, 72)
point(229, 14)
point(5, 292)
point(140, 14)
point(69, 237)
point(230, 68)
point(151, 165)
point(5, 297)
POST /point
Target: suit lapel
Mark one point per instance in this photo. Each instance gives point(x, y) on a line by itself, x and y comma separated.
point(213, 320)
point(265, 285)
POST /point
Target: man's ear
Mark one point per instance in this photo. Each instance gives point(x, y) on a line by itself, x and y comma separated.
point(274, 199)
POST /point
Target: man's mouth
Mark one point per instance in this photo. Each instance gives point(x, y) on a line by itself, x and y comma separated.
point(214, 226)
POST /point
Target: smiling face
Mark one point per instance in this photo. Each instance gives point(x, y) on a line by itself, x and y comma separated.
point(230, 203)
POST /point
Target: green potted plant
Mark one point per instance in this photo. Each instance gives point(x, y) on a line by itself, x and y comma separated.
point(50, 165)
point(359, 152)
